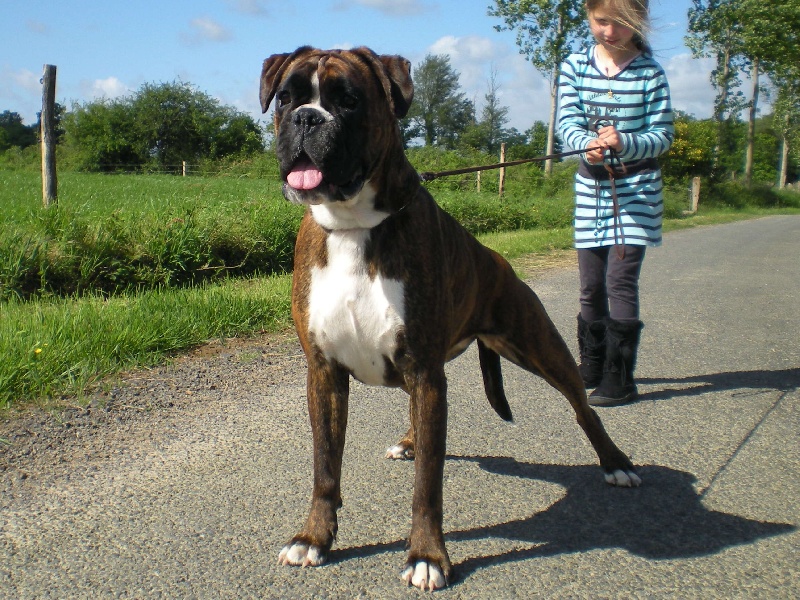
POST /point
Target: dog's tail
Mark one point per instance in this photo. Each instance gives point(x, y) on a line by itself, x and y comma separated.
point(493, 381)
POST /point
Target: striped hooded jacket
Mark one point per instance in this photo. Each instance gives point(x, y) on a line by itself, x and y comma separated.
point(637, 100)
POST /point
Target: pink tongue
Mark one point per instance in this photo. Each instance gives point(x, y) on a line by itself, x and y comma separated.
point(304, 178)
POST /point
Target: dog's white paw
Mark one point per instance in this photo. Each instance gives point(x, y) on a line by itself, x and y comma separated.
point(622, 478)
point(301, 554)
point(399, 452)
point(424, 575)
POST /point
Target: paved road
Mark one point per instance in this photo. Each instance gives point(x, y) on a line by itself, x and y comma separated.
point(195, 497)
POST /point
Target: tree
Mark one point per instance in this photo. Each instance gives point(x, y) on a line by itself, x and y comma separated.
point(99, 136)
point(13, 132)
point(787, 117)
point(547, 32)
point(715, 31)
point(159, 126)
point(692, 151)
point(490, 130)
point(761, 35)
point(781, 62)
point(537, 137)
point(176, 122)
point(440, 113)
point(771, 35)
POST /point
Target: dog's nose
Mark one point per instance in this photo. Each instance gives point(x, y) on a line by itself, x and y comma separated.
point(307, 118)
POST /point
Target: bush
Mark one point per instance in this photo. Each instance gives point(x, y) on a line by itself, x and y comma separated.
point(730, 194)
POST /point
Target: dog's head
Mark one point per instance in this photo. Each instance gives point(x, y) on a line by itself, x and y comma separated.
point(336, 115)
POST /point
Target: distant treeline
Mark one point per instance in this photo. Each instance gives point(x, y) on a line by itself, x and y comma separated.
point(161, 127)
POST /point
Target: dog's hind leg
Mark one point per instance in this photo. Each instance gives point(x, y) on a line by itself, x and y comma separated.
point(547, 355)
point(403, 449)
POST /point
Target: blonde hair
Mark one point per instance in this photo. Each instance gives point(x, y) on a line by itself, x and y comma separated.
point(630, 13)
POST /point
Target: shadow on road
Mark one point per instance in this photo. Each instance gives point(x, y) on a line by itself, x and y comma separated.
point(663, 519)
point(785, 380)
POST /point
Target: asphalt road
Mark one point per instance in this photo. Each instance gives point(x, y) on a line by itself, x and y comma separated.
point(185, 481)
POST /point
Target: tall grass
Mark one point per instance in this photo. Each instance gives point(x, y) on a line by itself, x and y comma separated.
point(112, 234)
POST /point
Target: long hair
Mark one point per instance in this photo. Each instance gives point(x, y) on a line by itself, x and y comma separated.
point(631, 13)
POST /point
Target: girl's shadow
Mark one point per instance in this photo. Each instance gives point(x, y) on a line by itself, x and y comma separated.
point(785, 380)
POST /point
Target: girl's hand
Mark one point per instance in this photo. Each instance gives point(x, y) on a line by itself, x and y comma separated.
point(610, 136)
point(597, 149)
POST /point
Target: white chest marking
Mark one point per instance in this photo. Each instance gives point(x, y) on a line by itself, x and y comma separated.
point(356, 212)
point(355, 320)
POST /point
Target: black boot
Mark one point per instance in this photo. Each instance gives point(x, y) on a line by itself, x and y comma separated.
point(622, 343)
point(592, 349)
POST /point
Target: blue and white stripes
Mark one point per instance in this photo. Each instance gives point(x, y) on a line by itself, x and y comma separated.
point(638, 101)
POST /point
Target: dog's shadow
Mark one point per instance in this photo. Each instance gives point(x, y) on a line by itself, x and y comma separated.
point(663, 519)
point(785, 380)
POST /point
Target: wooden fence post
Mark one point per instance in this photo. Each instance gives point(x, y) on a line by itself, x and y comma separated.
point(695, 193)
point(694, 196)
point(502, 183)
point(49, 178)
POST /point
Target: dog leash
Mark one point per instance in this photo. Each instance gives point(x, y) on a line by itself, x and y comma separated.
point(430, 176)
point(619, 232)
point(595, 123)
point(614, 168)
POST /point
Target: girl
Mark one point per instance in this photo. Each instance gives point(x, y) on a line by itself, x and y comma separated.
point(614, 101)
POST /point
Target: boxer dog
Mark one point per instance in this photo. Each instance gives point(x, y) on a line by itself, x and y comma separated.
point(388, 287)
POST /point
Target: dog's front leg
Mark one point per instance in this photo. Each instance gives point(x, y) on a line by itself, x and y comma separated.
point(328, 389)
point(428, 565)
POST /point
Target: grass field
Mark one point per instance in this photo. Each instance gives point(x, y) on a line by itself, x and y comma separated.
point(130, 268)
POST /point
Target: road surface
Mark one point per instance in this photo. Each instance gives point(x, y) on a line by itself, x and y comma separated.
point(185, 481)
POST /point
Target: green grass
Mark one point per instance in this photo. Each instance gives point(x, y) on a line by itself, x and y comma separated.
point(61, 347)
point(132, 255)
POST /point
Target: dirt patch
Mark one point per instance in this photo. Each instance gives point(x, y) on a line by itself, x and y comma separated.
point(536, 266)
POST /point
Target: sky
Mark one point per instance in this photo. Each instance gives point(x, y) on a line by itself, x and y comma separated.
point(109, 48)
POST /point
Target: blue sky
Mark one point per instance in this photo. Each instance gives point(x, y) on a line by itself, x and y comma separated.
point(108, 48)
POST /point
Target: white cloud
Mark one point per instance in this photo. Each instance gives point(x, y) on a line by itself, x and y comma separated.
point(521, 88)
point(394, 8)
point(249, 7)
point(21, 92)
point(204, 29)
point(111, 87)
point(27, 80)
point(690, 84)
point(37, 27)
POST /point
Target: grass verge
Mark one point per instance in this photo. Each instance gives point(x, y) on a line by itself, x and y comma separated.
point(56, 349)
point(60, 348)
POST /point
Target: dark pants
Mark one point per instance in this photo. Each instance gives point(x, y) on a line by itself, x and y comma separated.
point(610, 284)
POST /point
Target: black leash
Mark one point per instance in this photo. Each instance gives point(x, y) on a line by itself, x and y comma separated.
point(429, 176)
point(616, 168)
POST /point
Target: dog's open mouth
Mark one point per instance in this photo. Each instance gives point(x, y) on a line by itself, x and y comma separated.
point(305, 184)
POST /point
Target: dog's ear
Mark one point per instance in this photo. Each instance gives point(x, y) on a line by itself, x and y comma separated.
point(399, 71)
point(272, 72)
point(394, 73)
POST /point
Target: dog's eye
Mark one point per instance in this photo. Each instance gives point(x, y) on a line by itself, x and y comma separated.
point(284, 98)
point(349, 101)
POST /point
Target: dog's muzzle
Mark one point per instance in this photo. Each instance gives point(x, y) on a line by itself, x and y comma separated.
point(317, 170)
